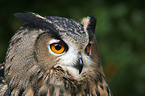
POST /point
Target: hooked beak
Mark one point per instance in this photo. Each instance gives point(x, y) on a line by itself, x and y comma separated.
point(79, 65)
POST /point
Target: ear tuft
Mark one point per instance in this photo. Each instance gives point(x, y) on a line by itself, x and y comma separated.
point(29, 17)
point(36, 20)
point(85, 21)
point(89, 23)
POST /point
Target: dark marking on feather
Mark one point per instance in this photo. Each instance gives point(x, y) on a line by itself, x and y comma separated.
point(65, 83)
point(92, 24)
point(31, 77)
point(87, 91)
point(25, 33)
point(59, 69)
point(21, 91)
point(101, 86)
point(39, 72)
point(73, 93)
point(61, 92)
point(107, 88)
point(43, 94)
point(7, 93)
point(47, 80)
point(51, 91)
point(35, 56)
point(19, 31)
point(8, 51)
point(11, 59)
point(16, 40)
point(99, 77)
point(41, 77)
point(98, 93)
point(8, 68)
point(79, 87)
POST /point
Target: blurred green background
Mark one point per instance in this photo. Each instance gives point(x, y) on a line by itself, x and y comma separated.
point(120, 32)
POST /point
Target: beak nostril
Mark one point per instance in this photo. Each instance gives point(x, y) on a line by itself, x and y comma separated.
point(81, 61)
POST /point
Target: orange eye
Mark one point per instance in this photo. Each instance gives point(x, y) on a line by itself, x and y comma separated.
point(57, 48)
point(88, 48)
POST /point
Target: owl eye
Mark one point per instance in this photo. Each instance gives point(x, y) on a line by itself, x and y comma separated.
point(88, 49)
point(57, 48)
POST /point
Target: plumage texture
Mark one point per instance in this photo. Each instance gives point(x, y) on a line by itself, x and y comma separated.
point(32, 68)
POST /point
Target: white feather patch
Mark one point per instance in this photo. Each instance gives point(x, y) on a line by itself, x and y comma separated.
point(70, 57)
point(85, 21)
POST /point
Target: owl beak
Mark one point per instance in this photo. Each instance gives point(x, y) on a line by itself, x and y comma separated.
point(79, 65)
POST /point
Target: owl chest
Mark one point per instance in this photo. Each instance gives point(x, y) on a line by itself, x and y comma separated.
point(60, 87)
point(65, 85)
point(59, 83)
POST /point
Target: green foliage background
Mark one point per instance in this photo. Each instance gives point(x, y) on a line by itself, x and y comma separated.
point(120, 32)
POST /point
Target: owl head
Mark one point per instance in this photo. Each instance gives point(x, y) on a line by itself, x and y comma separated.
point(44, 43)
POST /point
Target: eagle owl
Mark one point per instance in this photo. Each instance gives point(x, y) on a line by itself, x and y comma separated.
point(53, 56)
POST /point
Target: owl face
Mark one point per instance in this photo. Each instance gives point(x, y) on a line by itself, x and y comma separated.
point(67, 52)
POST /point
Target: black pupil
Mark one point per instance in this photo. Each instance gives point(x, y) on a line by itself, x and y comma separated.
point(58, 46)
